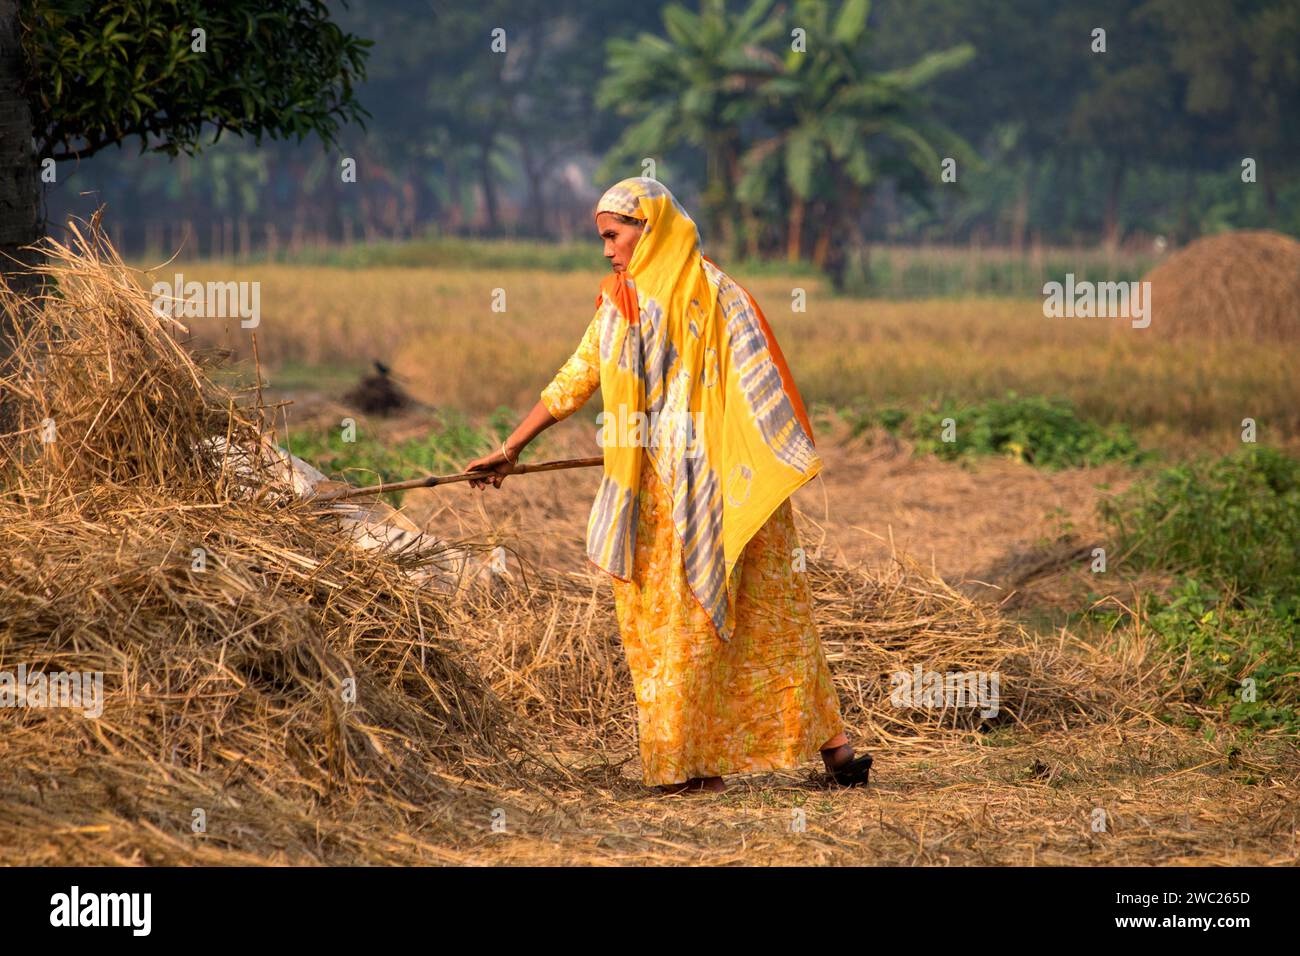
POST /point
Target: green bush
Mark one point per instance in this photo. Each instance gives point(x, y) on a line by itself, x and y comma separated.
point(1234, 521)
point(1046, 432)
point(1229, 641)
point(1231, 529)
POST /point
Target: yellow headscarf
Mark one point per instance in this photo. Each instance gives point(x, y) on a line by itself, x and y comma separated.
point(686, 352)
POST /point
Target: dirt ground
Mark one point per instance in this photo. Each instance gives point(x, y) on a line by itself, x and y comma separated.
point(1134, 791)
point(872, 499)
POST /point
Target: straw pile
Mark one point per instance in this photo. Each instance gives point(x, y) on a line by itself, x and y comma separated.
point(257, 664)
point(378, 394)
point(1239, 285)
point(553, 651)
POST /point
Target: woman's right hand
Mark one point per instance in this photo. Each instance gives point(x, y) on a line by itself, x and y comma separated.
point(496, 466)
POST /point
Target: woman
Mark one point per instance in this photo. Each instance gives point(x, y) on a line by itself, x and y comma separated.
point(705, 438)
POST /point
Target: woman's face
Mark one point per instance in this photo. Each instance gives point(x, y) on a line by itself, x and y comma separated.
point(620, 239)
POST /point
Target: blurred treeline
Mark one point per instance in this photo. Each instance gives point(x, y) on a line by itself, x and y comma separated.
point(798, 155)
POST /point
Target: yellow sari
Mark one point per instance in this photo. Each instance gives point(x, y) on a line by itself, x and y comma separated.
point(693, 517)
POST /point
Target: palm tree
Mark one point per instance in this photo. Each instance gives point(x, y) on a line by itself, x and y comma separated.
point(696, 86)
point(837, 129)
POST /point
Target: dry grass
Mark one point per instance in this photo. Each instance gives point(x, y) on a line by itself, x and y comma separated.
point(566, 673)
point(438, 331)
point(229, 687)
point(507, 707)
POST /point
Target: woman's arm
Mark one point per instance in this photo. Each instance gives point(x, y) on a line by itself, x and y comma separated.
point(538, 420)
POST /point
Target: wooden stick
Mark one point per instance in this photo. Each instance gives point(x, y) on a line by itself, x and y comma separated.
point(435, 480)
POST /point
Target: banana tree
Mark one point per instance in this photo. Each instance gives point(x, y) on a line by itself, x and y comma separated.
point(837, 129)
point(696, 86)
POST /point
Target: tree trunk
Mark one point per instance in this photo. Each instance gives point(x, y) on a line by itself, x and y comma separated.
point(861, 205)
point(794, 236)
point(822, 247)
point(1184, 233)
point(717, 198)
point(845, 256)
point(19, 190)
point(753, 235)
point(731, 166)
point(712, 188)
point(489, 188)
point(1020, 216)
point(20, 223)
point(539, 221)
point(835, 257)
point(1110, 227)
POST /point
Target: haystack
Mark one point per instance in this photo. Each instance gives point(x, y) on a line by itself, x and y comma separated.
point(259, 669)
point(1236, 285)
point(272, 473)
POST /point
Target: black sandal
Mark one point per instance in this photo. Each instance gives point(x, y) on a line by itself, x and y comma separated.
point(854, 773)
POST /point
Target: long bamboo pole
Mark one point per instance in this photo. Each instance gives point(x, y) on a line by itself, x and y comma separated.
point(433, 481)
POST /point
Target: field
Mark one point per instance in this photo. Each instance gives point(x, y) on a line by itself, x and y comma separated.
point(438, 331)
point(1119, 741)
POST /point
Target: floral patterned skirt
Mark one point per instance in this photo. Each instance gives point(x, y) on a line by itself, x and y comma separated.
point(764, 700)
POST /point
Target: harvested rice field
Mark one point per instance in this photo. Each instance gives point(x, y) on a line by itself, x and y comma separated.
point(280, 686)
